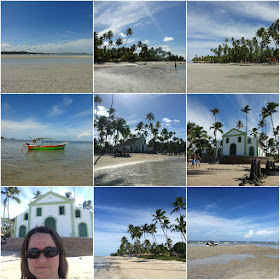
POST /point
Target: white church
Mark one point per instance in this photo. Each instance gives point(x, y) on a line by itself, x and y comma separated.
point(237, 143)
point(57, 212)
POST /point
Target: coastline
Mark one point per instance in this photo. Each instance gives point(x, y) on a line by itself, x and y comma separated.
point(235, 261)
point(40, 56)
point(223, 175)
point(134, 268)
point(232, 78)
point(140, 77)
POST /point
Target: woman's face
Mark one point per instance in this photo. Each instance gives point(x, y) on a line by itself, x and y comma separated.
point(42, 267)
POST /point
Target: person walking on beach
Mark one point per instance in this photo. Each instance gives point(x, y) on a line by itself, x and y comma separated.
point(175, 65)
point(193, 161)
point(197, 161)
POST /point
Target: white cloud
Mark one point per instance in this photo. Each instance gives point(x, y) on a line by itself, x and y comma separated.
point(84, 134)
point(122, 34)
point(146, 42)
point(204, 225)
point(167, 39)
point(176, 121)
point(60, 108)
point(166, 120)
point(101, 111)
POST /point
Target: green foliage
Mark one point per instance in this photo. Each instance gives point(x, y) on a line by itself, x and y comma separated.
point(180, 247)
point(256, 50)
point(7, 228)
point(141, 52)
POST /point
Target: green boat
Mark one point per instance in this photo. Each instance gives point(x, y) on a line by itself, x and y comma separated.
point(43, 143)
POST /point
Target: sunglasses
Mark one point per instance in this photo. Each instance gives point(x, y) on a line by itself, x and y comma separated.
point(49, 252)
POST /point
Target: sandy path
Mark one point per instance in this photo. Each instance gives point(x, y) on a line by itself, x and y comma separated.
point(223, 175)
point(258, 266)
point(133, 268)
point(232, 78)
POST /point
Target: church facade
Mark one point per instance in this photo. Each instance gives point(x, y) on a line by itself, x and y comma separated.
point(237, 143)
point(57, 212)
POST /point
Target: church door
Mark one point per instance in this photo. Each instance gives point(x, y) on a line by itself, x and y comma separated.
point(82, 230)
point(50, 222)
point(22, 231)
point(232, 151)
point(251, 151)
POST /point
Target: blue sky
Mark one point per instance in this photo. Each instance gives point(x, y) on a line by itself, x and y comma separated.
point(210, 22)
point(158, 24)
point(27, 193)
point(63, 116)
point(230, 105)
point(169, 109)
point(116, 208)
point(233, 214)
point(47, 26)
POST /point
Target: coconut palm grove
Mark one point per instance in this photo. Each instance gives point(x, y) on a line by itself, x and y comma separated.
point(254, 50)
point(112, 131)
point(153, 250)
point(104, 50)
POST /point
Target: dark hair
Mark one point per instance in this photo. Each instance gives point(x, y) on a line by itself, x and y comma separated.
point(63, 265)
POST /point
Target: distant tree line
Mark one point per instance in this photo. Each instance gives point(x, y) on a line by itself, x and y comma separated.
point(104, 50)
point(256, 50)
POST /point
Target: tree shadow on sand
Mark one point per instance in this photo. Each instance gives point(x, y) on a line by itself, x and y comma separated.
point(100, 180)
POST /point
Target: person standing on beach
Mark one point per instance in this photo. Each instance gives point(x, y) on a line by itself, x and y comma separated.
point(197, 161)
point(193, 161)
point(175, 65)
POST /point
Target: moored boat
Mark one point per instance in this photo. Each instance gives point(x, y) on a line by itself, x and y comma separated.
point(46, 144)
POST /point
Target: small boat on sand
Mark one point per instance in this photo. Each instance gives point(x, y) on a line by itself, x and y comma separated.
point(212, 243)
point(44, 143)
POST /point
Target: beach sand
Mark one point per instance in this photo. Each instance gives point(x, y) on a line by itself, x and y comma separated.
point(134, 268)
point(150, 77)
point(35, 78)
point(232, 78)
point(224, 175)
point(110, 161)
point(140, 170)
point(79, 267)
point(258, 266)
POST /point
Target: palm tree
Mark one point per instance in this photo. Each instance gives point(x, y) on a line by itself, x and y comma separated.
point(97, 100)
point(145, 229)
point(150, 117)
point(180, 227)
point(215, 111)
point(180, 203)
point(37, 194)
point(119, 42)
point(139, 45)
point(246, 110)
point(129, 32)
point(254, 132)
point(68, 194)
point(10, 193)
point(152, 231)
point(239, 124)
point(217, 126)
point(88, 205)
point(270, 109)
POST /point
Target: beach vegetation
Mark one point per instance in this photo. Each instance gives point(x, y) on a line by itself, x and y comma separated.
point(198, 140)
point(112, 131)
point(139, 52)
point(153, 250)
point(254, 50)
